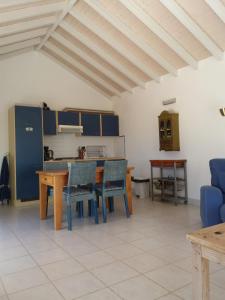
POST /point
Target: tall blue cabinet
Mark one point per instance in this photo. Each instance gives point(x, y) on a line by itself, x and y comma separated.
point(26, 151)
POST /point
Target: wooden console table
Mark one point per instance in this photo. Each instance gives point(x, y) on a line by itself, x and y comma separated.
point(208, 244)
point(173, 180)
point(57, 180)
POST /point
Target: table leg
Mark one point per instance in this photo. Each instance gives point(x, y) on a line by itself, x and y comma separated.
point(43, 199)
point(200, 274)
point(129, 192)
point(57, 199)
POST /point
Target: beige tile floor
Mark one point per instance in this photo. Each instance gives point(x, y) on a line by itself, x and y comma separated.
point(145, 257)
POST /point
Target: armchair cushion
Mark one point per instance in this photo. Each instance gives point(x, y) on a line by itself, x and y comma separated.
point(221, 178)
point(222, 213)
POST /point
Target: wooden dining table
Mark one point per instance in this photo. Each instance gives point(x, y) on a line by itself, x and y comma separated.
point(57, 180)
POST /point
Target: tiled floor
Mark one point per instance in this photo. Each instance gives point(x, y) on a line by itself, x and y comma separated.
point(145, 257)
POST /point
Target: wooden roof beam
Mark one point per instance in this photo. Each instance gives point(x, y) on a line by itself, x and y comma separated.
point(193, 27)
point(16, 15)
point(115, 22)
point(149, 22)
point(13, 3)
point(22, 36)
point(218, 7)
point(26, 26)
point(18, 46)
point(98, 50)
point(58, 37)
point(69, 68)
point(15, 53)
point(116, 46)
point(82, 68)
point(65, 11)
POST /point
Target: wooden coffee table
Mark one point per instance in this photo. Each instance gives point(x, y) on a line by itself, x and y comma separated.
point(208, 244)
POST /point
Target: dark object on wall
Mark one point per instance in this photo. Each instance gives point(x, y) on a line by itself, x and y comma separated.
point(169, 131)
point(4, 181)
point(45, 106)
point(222, 111)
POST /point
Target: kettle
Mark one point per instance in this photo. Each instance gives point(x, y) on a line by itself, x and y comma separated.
point(48, 154)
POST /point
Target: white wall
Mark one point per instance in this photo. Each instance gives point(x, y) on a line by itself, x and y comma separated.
point(32, 78)
point(199, 96)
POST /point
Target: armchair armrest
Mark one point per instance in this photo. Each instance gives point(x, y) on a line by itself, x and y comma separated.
point(211, 200)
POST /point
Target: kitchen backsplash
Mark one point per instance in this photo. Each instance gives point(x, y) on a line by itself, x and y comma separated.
point(66, 145)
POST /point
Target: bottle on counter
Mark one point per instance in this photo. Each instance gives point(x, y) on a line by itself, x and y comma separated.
point(82, 152)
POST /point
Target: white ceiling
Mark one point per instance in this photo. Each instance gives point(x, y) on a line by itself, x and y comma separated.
point(115, 45)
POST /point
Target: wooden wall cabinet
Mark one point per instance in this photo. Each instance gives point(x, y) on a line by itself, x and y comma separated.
point(169, 131)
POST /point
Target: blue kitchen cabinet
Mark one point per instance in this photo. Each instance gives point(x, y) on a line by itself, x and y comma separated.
point(100, 163)
point(49, 122)
point(91, 124)
point(68, 118)
point(29, 151)
point(110, 125)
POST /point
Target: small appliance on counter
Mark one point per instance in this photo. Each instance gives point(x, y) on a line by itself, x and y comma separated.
point(48, 153)
point(82, 152)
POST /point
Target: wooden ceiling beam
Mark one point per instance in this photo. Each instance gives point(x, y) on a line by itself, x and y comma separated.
point(146, 48)
point(30, 12)
point(72, 46)
point(149, 22)
point(99, 51)
point(18, 46)
point(115, 45)
point(59, 60)
point(82, 68)
point(13, 3)
point(65, 11)
point(26, 26)
point(193, 27)
point(22, 36)
point(218, 7)
point(15, 53)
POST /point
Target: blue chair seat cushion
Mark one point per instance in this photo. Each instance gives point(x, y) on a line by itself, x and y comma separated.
point(77, 190)
point(109, 188)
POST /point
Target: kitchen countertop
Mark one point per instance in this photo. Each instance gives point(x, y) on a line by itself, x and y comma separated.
point(85, 159)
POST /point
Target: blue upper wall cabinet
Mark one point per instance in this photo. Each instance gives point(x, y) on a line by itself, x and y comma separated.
point(110, 125)
point(91, 124)
point(29, 151)
point(68, 118)
point(49, 122)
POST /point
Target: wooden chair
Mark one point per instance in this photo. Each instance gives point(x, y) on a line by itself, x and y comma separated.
point(114, 184)
point(53, 166)
point(81, 186)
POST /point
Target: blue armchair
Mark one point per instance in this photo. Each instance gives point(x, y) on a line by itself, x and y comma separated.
point(212, 205)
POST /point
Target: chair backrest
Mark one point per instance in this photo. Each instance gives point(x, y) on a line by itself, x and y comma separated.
point(115, 170)
point(217, 168)
point(82, 173)
point(51, 166)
